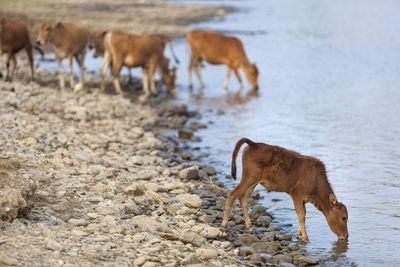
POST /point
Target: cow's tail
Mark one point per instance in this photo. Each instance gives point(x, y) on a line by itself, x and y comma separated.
point(235, 153)
point(172, 51)
point(37, 48)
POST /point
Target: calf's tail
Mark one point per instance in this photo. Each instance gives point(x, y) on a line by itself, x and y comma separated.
point(235, 153)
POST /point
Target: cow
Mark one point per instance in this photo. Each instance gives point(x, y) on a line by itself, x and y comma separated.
point(96, 42)
point(278, 169)
point(67, 40)
point(216, 48)
point(14, 37)
point(130, 50)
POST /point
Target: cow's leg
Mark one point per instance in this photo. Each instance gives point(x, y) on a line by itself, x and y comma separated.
point(243, 203)
point(60, 72)
point(71, 76)
point(151, 71)
point(116, 68)
point(239, 190)
point(28, 50)
point(300, 207)
point(104, 67)
point(145, 84)
point(9, 56)
point(13, 66)
point(80, 60)
point(235, 70)
point(228, 73)
point(198, 67)
point(193, 59)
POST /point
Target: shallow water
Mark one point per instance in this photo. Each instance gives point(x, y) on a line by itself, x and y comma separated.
point(329, 87)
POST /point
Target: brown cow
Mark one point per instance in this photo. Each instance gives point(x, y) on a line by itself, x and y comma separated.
point(14, 37)
point(125, 49)
point(67, 40)
point(277, 169)
point(216, 48)
point(96, 42)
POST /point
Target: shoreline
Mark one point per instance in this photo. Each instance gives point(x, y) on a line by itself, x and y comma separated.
point(108, 189)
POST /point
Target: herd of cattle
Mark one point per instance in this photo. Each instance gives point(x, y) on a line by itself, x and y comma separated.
point(69, 40)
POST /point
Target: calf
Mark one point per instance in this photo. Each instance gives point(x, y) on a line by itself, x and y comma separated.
point(125, 49)
point(277, 169)
point(14, 37)
point(67, 40)
point(216, 48)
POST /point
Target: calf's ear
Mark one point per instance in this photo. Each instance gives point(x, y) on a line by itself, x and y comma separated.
point(332, 201)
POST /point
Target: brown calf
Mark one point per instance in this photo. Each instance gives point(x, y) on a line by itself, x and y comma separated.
point(281, 170)
point(125, 49)
point(14, 37)
point(216, 48)
point(67, 40)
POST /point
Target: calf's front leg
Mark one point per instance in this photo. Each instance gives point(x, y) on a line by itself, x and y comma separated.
point(300, 207)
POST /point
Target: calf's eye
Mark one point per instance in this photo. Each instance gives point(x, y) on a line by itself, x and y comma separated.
point(344, 218)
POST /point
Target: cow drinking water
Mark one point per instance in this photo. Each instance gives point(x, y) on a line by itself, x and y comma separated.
point(277, 169)
point(216, 48)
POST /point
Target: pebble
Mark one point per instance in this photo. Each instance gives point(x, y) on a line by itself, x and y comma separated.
point(190, 200)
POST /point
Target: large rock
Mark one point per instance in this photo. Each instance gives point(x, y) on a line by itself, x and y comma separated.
point(191, 173)
point(16, 190)
point(190, 200)
point(192, 238)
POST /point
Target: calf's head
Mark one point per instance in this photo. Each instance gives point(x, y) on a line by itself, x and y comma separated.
point(251, 72)
point(96, 41)
point(337, 217)
point(169, 80)
point(44, 33)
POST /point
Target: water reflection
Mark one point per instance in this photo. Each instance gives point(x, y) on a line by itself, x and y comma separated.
point(234, 98)
point(340, 246)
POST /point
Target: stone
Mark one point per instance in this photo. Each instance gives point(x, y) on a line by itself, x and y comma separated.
point(78, 232)
point(190, 200)
point(282, 257)
point(8, 260)
point(54, 245)
point(247, 239)
point(271, 246)
point(155, 197)
point(191, 259)
point(211, 232)
point(263, 221)
point(308, 260)
point(191, 173)
point(210, 170)
point(139, 261)
point(186, 135)
point(146, 174)
point(192, 238)
point(207, 253)
point(246, 250)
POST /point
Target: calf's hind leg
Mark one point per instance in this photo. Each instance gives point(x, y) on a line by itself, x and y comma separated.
point(243, 203)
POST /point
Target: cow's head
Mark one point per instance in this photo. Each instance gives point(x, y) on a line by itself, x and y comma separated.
point(337, 217)
point(169, 80)
point(96, 42)
point(251, 72)
point(44, 33)
point(3, 24)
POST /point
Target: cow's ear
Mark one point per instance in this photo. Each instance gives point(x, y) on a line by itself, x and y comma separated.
point(103, 34)
point(332, 201)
